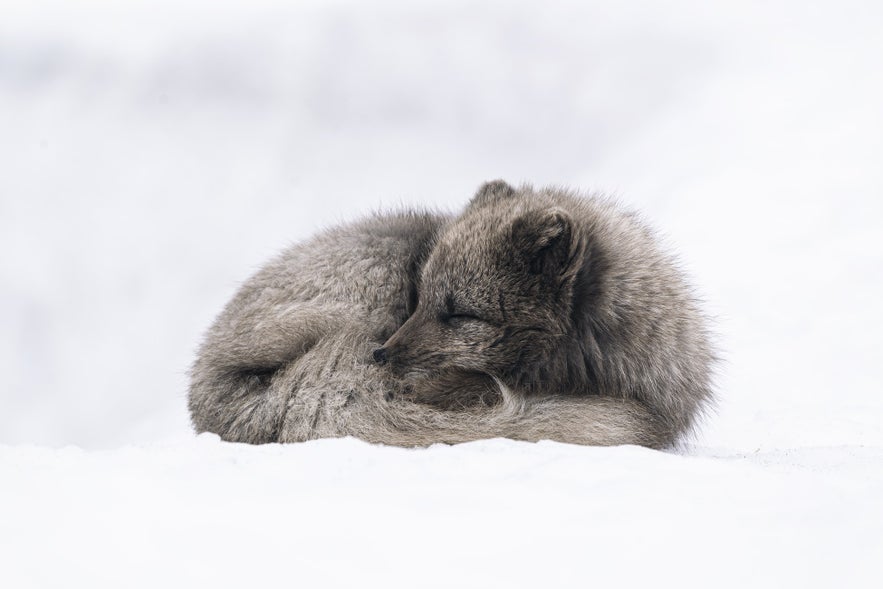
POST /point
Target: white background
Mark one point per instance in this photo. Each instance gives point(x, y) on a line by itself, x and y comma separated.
point(154, 154)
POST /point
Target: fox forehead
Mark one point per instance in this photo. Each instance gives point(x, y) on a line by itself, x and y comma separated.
point(465, 281)
point(462, 264)
point(445, 284)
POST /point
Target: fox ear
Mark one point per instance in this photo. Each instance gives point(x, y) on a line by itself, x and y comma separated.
point(492, 191)
point(545, 240)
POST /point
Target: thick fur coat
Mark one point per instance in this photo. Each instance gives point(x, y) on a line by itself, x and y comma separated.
point(534, 314)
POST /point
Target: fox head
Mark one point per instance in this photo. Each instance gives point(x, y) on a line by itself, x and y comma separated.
point(496, 291)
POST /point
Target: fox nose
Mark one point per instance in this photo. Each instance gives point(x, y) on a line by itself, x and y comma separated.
point(380, 355)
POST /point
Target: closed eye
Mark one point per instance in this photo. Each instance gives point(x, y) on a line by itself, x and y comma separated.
point(465, 316)
point(458, 319)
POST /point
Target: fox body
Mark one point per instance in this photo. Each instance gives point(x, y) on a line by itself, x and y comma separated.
point(534, 314)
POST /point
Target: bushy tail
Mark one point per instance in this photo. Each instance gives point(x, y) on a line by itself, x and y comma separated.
point(590, 420)
point(332, 390)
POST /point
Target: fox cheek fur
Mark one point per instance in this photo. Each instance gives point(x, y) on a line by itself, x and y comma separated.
point(491, 330)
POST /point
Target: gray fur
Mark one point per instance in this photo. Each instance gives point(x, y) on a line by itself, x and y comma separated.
point(535, 314)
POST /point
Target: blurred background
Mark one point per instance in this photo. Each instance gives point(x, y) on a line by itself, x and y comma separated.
point(154, 154)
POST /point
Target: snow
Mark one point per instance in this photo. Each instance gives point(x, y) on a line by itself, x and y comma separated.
point(154, 154)
point(493, 513)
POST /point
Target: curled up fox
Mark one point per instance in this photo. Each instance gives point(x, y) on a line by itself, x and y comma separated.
point(533, 314)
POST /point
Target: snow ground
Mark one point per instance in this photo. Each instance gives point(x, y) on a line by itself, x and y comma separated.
point(488, 514)
point(153, 154)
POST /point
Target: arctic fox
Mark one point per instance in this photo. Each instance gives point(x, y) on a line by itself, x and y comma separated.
point(534, 314)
